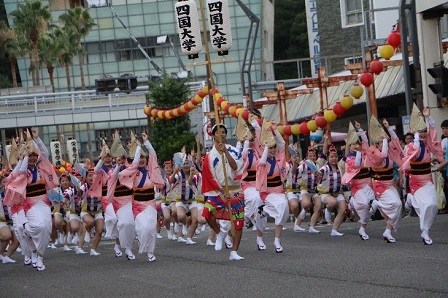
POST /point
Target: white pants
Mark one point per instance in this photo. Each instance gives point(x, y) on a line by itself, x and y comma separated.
point(126, 225)
point(110, 221)
point(146, 228)
point(252, 201)
point(38, 229)
point(361, 203)
point(389, 204)
point(18, 220)
point(276, 206)
point(425, 204)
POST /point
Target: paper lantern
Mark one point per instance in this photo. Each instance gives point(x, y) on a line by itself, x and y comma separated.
point(387, 51)
point(223, 104)
point(366, 79)
point(147, 110)
point(376, 66)
point(394, 39)
point(187, 107)
point(356, 91)
point(188, 28)
point(191, 105)
point(227, 108)
point(219, 26)
point(61, 170)
point(330, 116)
point(154, 112)
point(311, 125)
point(346, 102)
point(202, 93)
point(176, 112)
point(280, 129)
point(287, 130)
point(304, 128)
point(320, 120)
point(338, 109)
point(239, 111)
point(231, 110)
point(295, 129)
point(218, 96)
point(219, 101)
point(171, 114)
point(160, 114)
point(183, 111)
point(245, 114)
point(166, 115)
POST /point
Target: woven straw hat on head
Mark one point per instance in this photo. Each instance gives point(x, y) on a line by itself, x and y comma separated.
point(417, 122)
point(352, 135)
point(267, 137)
point(242, 130)
point(133, 146)
point(375, 130)
point(117, 148)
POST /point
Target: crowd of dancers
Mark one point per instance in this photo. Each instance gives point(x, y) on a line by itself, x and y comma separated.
point(126, 196)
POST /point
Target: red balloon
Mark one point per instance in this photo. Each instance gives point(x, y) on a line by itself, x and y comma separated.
point(287, 129)
point(394, 39)
point(376, 66)
point(304, 128)
point(320, 121)
point(366, 79)
point(338, 109)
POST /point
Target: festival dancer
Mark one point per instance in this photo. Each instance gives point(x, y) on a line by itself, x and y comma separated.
point(379, 158)
point(185, 202)
point(271, 172)
point(219, 172)
point(91, 213)
point(72, 202)
point(122, 203)
point(143, 175)
point(418, 158)
point(166, 200)
point(357, 175)
point(7, 234)
point(307, 179)
point(330, 189)
point(36, 176)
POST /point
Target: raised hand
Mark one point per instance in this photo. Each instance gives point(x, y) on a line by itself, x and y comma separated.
point(144, 137)
point(426, 112)
point(386, 123)
point(357, 125)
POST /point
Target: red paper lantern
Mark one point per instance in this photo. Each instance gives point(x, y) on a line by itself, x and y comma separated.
point(366, 79)
point(338, 109)
point(376, 66)
point(394, 39)
point(304, 128)
point(219, 101)
point(320, 121)
point(245, 114)
point(227, 108)
point(287, 129)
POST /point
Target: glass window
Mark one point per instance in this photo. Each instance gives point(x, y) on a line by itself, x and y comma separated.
point(352, 13)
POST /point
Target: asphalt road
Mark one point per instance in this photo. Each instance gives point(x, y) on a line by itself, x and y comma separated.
point(312, 265)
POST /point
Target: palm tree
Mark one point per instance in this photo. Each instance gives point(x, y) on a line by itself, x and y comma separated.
point(49, 52)
point(68, 49)
point(15, 45)
point(32, 18)
point(81, 22)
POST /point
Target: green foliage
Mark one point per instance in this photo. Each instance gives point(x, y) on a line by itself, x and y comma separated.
point(169, 136)
point(4, 81)
point(291, 37)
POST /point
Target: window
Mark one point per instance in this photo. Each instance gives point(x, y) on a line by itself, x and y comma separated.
point(352, 13)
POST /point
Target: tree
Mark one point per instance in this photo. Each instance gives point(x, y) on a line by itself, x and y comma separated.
point(68, 49)
point(49, 53)
point(81, 22)
point(15, 45)
point(32, 18)
point(291, 36)
point(169, 136)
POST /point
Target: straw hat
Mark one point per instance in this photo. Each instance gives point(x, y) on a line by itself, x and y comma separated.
point(375, 130)
point(14, 152)
point(352, 136)
point(267, 136)
point(133, 146)
point(29, 144)
point(417, 122)
point(242, 130)
point(117, 148)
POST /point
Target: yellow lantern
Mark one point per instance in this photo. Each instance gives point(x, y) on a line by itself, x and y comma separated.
point(217, 96)
point(356, 91)
point(330, 116)
point(232, 109)
point(239, 111)
point(346, 102)
point(280, 129)
point(175, 113)
point(223, 104)
point(387, 51)
point(160, 114)
point(191, 105)
point(312, 126)
point(295, 129)
point(166, 115)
